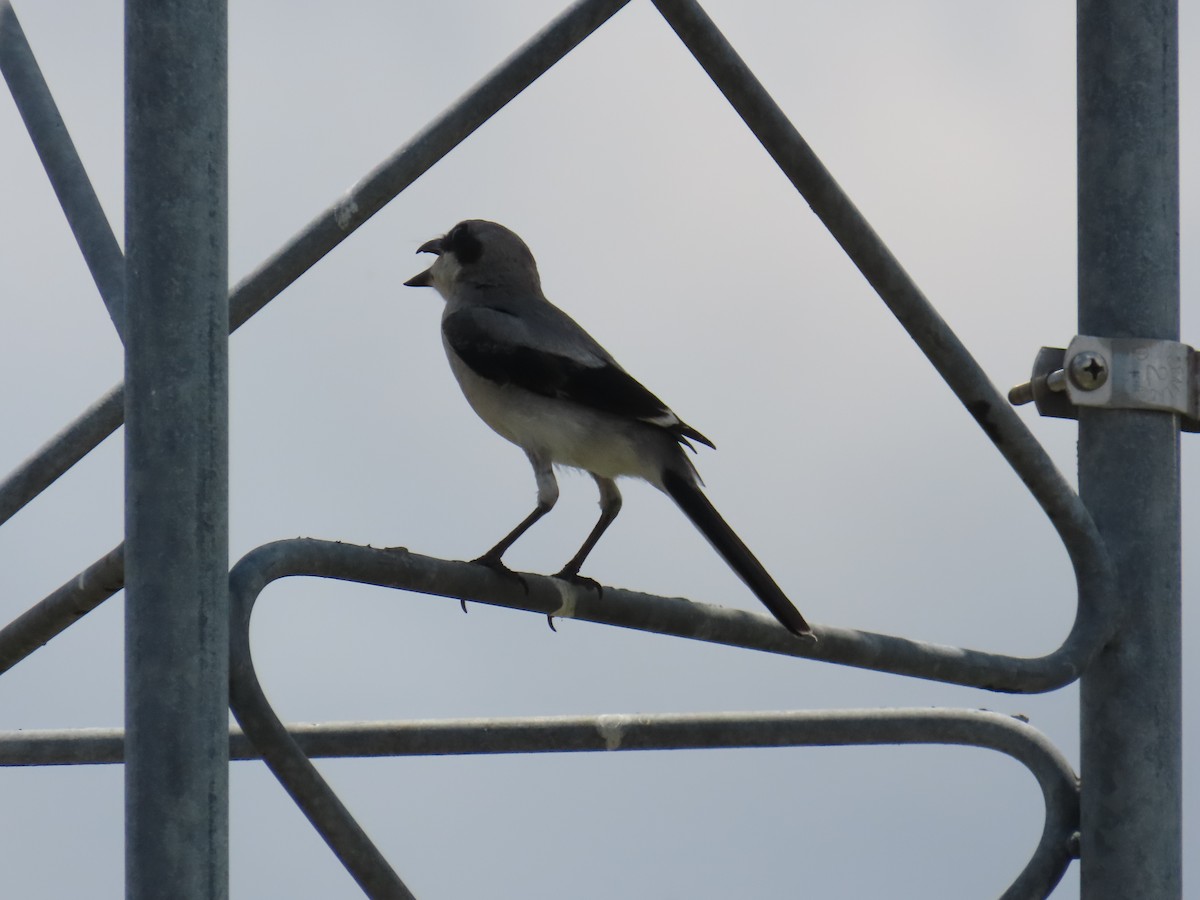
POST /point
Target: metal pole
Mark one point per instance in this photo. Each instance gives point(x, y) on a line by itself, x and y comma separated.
point(528, 63)
point(1130, 696)
point(176, 494)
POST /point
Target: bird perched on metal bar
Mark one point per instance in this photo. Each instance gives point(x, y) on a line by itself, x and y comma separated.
point(539, 380)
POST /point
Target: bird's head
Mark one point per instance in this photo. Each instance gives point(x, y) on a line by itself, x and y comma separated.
point(477, 253)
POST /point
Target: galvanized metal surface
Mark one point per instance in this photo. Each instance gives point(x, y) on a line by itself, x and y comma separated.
point(1150, 374)
point(401, 569)
point(398, 568)
point(176, 451)
point(1131, 373)
point(1130, 698)
point(619, 733)
point(1129, 459)
point(676, 616)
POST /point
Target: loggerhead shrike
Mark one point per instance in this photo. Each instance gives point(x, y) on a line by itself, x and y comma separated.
point(539, 380)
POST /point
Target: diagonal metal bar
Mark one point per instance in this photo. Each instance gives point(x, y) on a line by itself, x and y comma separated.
point(619, 733)
point(416, 157)
point(71, 602)
point(52, 460)
point(331, 227)
point(63, 165)
point(1093, 567)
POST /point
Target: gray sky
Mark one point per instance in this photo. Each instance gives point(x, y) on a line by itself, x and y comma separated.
point(664, 228)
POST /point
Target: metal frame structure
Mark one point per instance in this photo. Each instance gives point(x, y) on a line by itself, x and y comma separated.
point(1122, 537)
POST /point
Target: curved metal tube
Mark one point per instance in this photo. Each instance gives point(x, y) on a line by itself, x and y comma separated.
point(398, 568)
point(646, 612)
point(284, 750)
point(689, 731)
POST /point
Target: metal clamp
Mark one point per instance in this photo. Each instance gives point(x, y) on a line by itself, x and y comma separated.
point(1114, 373)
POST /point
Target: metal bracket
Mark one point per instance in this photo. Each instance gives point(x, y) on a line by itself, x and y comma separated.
point(1114, 373)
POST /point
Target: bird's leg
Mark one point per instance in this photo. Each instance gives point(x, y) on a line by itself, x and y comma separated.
point(491, 559)
point(610, 505)
point(547, 496)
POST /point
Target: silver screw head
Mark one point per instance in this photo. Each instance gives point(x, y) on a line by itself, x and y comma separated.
point(1088, 370)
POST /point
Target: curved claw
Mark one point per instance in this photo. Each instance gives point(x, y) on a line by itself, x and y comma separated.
point(581, 580)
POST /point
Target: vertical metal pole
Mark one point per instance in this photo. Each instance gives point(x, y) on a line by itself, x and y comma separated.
point(1130, 698)
point(176, 370)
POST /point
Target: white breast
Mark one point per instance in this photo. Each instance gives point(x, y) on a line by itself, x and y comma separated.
point(562, 432)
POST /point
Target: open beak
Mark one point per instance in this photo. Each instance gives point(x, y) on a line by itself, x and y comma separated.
point(424, 279)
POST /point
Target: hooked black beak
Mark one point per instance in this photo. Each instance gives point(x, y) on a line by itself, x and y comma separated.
point(424, 279)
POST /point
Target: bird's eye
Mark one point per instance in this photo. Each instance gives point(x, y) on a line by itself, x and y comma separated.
point(462, 242)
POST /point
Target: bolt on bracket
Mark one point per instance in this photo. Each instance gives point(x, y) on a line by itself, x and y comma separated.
point(1114, 373)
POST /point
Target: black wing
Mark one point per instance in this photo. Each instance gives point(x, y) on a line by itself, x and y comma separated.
point(604, 386)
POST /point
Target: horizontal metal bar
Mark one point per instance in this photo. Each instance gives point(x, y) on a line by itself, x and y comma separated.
point(1094, 571)
point(614, 733)
point(63, 165)
point(331, 227)
point(585, 734)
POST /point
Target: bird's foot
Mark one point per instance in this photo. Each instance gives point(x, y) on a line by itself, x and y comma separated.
point(494, 563)
point(581, 580)
point(573, 577)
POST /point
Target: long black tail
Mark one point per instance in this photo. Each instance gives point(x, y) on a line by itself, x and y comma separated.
point(706, 518)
